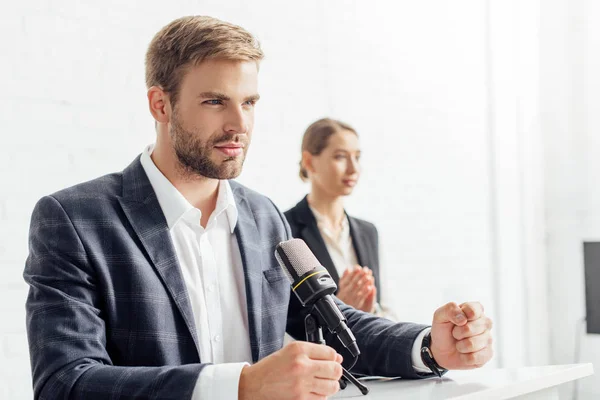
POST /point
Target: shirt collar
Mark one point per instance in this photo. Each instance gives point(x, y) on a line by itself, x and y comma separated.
point(226, 203)
point(345, 231)
point(174, 205)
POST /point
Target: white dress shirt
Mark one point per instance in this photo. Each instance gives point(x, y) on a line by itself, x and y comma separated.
point(342, 253)
point(340, 248)
point(212, 270)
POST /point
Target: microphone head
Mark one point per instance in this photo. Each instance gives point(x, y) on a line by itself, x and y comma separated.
point(309, 279)
point(313, 286)
point(296, 259)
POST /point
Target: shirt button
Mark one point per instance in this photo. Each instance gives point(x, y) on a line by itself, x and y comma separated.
point(217, 338)
point(211, 288)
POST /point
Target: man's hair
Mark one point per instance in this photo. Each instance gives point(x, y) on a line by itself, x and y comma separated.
point(188, 41)
point(316, 138)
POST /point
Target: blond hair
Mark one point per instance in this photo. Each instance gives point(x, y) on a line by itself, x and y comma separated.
point(188, 41)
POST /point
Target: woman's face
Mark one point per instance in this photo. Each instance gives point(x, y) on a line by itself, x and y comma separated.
point(336, 170)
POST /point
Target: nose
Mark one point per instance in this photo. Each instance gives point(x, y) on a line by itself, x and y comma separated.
point(237, 121)
point(352, 167)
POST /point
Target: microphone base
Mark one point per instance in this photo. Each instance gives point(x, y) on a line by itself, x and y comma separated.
point(346, 374)
point(314, 334)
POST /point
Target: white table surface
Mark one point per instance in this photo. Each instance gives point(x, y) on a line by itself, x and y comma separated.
point(488, 384)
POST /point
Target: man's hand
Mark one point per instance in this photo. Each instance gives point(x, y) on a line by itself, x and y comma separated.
point(357, 288)
point(461, 337)
point(300, 370)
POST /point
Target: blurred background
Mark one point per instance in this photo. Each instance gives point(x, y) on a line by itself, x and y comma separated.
point(478, 122)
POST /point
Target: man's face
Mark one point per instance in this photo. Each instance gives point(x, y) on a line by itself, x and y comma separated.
point(211, 123)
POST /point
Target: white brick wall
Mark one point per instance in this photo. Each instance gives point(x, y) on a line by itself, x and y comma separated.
point(571, 100)
point(412, 78)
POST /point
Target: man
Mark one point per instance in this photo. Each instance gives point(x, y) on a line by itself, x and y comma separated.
point(161, 282)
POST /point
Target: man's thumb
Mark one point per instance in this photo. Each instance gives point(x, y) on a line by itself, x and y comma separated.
point(451, 312)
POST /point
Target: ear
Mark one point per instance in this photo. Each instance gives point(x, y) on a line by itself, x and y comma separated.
point(159, 104)
point(307, 162)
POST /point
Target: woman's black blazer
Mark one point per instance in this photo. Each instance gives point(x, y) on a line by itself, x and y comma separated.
point(364, 239)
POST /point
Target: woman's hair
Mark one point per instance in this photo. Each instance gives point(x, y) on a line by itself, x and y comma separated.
point(316, 138)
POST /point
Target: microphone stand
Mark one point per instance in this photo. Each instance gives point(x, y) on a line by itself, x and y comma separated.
point(314, 334)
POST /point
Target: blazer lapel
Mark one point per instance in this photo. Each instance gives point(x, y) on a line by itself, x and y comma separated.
point(359, 242)
point(141, 206)
point(311, 235)
point(251, 251)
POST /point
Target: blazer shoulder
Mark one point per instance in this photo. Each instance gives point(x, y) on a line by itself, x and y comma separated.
point(365, 226)
point(299, 216)
point(291, 215)
point(106, 187)
point(292, 222)
point(300, 212)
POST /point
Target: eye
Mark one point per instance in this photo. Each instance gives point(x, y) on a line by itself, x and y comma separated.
point(339, 157)
point(213, 102)
point(250, 103)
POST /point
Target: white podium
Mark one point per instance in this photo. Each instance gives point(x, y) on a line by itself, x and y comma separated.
point(531, 383)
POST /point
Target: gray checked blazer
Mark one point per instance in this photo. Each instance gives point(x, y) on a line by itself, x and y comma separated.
point(108, 314)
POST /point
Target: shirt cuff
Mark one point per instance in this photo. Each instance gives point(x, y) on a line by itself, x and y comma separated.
point(218, 381)
point(417, 362)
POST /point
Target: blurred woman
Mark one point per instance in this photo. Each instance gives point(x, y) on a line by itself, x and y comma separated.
point(348, 247)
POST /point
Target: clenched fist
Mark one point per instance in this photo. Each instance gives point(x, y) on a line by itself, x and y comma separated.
point(461, 336)
point(299, 371)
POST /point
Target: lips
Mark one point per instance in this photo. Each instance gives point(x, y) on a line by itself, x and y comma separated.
point(349, 182)
point(231, 149)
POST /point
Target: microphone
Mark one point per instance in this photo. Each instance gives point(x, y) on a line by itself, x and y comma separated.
point(313, 286)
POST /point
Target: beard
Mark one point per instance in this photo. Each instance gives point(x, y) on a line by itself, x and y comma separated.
point(194, 154)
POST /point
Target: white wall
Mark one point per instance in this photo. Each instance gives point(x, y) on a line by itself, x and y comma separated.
point(424, 83)
point(570, 103)
point(516, 182)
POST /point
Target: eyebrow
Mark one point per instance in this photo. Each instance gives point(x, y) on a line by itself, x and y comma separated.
point(254, 97)
point(224, 97)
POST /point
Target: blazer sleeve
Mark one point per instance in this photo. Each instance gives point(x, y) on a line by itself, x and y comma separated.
point(385, 346)
point(65, 326)
point(376, 268)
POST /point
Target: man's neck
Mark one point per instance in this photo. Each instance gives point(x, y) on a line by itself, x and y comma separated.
point(199, 191)
point(330, 207)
